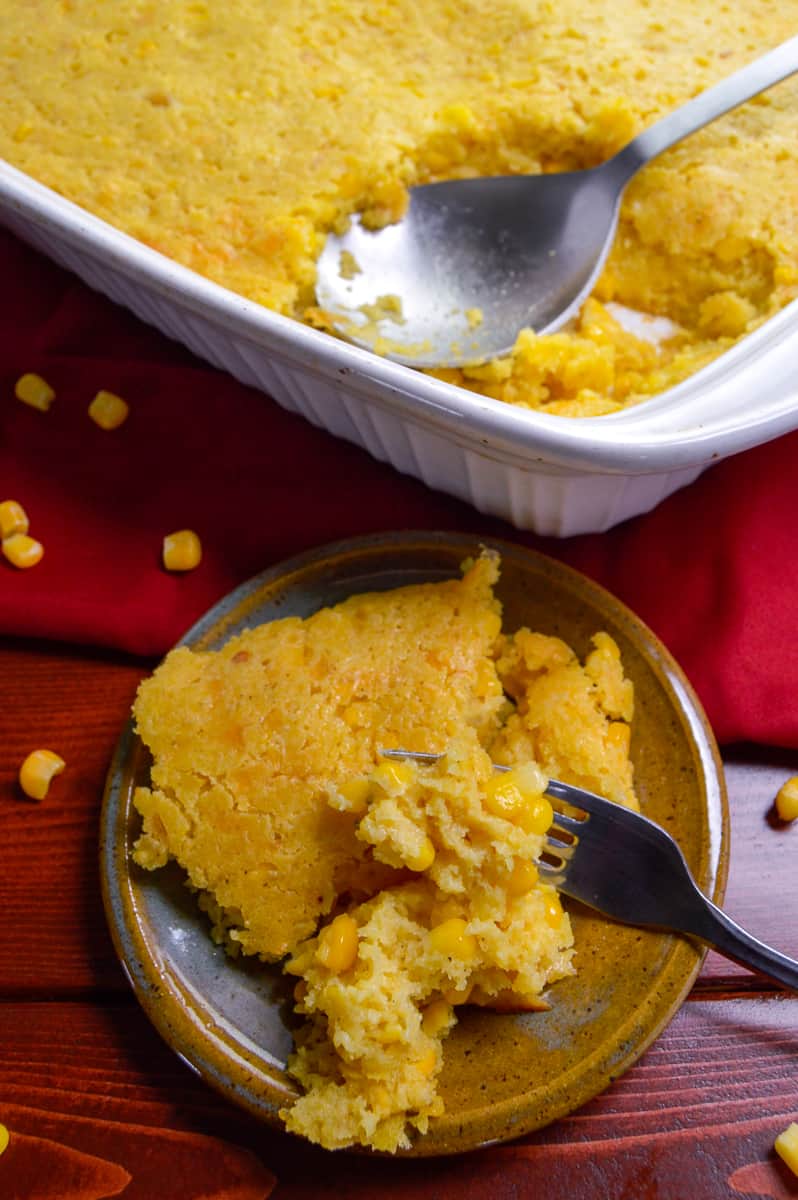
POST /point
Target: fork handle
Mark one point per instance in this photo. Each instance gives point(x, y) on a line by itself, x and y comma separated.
point(713, 926)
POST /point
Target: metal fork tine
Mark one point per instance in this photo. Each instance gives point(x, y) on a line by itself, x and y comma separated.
point(551, 874)
point(573, 825)
point(558, 850)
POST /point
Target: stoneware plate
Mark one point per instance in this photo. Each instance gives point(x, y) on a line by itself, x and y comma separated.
point(504, 1074)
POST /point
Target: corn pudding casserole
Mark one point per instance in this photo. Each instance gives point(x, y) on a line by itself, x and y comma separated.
point(395, 890)
point(233, 137)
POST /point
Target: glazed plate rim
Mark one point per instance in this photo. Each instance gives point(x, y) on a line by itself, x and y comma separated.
point(225, 1056)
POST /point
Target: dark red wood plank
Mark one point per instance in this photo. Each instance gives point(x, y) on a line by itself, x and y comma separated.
point(696, 1116)
point(54, 940)
point(75, 702)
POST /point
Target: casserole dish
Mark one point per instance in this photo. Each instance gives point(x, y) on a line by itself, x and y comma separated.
point(553, 475)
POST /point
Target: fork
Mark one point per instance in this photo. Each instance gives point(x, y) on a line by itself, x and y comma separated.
point(626, 866)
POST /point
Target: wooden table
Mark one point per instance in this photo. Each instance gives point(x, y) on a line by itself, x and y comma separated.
point(98, 1105)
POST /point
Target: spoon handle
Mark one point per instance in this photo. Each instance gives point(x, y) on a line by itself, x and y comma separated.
point(762, 73)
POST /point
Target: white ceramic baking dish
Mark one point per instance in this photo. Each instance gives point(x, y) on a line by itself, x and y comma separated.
point(554, 475)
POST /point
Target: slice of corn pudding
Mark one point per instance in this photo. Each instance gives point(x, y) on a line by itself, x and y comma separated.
point(398, 889)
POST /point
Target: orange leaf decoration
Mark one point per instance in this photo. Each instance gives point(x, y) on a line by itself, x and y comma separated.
point(34, 1168)
point(151, 1161)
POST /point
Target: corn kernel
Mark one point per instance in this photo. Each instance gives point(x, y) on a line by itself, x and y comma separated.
point(522, 878)
point(423, 857)
point(300, 991)
point(355, 794)
point(337, 948)
point(35, 391)
point(486, 680)
point(182, 551)
point(22, 551)
point(787, 800)
point(452, 939)
point(536, 816)
point(529, 778)
point(516, 796)
point(36, 772)
point(393, 777)
point(552, 909)
point(13, 519)
point(355, 715)
point(108, 410)
point(436, 1017)
point(786, 1146)
point(4, 1138)
point(503, 797)
point(620, 734)
point(427, 1063)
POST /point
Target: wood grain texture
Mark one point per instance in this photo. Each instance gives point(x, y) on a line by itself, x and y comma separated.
point(54, 938)
point(762, 893)
point(705, 1102)
point(37, 1168)
point(92, 1095)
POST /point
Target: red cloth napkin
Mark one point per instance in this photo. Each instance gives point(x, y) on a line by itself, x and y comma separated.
point(713, 570)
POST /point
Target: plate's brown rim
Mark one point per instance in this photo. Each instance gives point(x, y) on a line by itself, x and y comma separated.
point(167, 1004)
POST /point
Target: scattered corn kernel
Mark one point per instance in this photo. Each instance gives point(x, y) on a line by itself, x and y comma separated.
point(13, 519)
point(182, 551)
point(337, 948)
point(522, 878)
point(5, 1137)
point(786, 1146)
point(33, 390)
point(452, 939)
point(423, 858)
point(22, 551)
point(787, 800)
point(436, 1017)
point(300, 991)
point(393, 776)
point(36, 772)
point(108, 410)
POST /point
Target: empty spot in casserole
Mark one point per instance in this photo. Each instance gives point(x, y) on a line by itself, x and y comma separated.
point(239, 134)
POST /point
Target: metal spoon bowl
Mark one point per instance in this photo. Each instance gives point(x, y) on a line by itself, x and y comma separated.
point(475, 261)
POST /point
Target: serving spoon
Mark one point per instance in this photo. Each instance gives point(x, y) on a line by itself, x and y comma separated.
point(625, 866)
point(474, 261)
